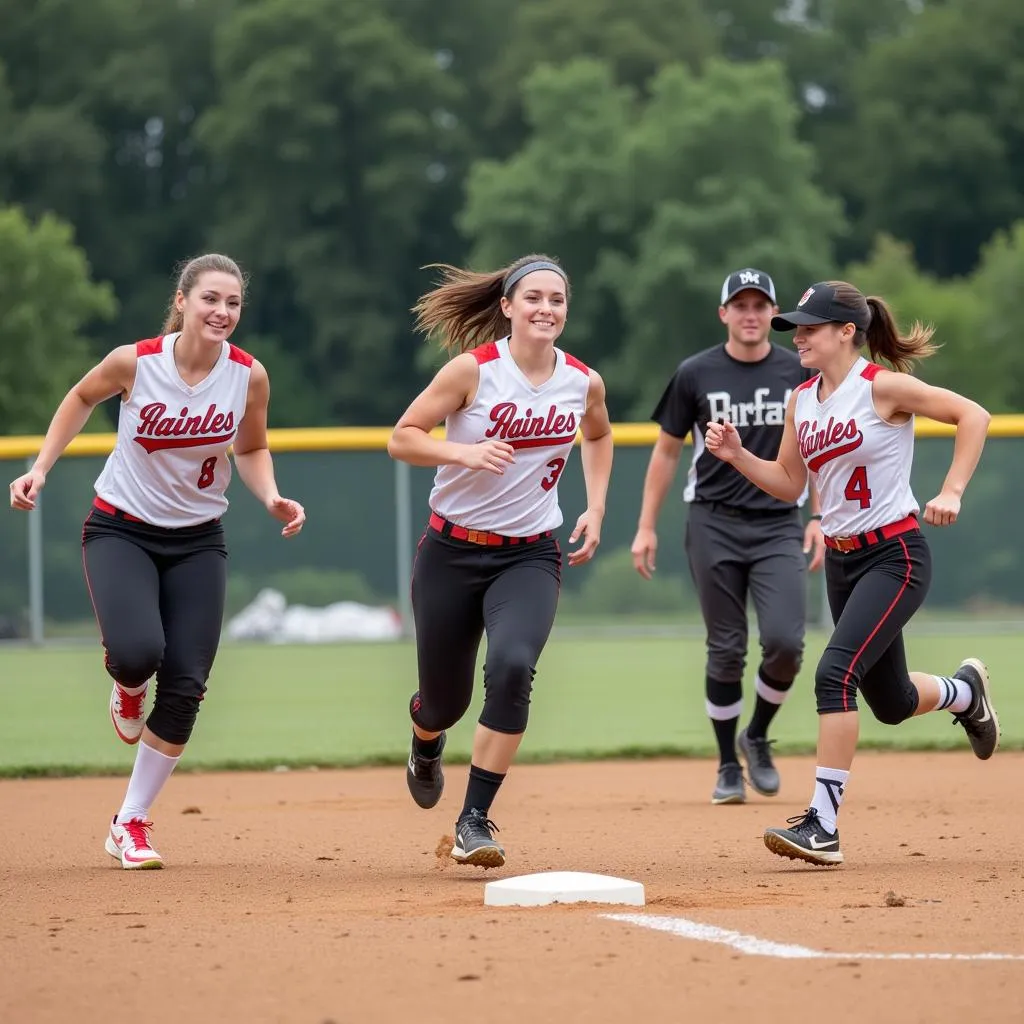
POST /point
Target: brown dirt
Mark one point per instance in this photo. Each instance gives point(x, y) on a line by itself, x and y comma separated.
point(320, 897)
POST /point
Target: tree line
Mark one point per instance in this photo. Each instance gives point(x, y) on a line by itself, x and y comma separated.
point(335, 147)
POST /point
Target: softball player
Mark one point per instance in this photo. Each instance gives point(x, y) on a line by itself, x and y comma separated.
point(489, 561)
point(852, 428)
point(153, 544)
point(739, 540)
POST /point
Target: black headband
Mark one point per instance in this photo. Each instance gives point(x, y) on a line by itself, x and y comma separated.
point(517, 275)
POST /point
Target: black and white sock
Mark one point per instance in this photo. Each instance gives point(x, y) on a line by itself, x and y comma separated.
point(954, 695)
point(771, 695)
point(829, 790)
point(724, 704)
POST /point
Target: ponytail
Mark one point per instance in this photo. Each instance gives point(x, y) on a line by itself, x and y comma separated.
point(884, 339)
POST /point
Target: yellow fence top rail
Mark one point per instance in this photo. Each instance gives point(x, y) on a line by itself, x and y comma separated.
point(333, 439)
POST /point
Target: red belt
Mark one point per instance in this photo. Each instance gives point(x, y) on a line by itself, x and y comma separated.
point(105, 506)
point(864, 540)
point(447, 529)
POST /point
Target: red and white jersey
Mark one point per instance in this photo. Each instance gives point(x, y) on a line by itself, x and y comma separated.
point(169, 466)
point(861, 463)
point(539, 422)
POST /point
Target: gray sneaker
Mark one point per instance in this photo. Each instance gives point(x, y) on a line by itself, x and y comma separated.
point(761, 770)
point(474, 841)
point(730, 788)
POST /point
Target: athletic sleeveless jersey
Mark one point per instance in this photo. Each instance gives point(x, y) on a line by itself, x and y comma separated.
point(539, 422)
point(861, 463)
point(169, 466)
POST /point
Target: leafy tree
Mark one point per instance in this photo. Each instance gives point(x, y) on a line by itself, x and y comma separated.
point(935, 151)
point(332, 123)
point(652, 203)
point(47, 299)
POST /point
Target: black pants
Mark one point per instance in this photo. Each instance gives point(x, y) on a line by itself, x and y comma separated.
point(159, 600)
point(731, 555)
point(873, 592)
point(462, 590)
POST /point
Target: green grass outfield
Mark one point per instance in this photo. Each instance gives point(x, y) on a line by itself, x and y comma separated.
point(347, 705)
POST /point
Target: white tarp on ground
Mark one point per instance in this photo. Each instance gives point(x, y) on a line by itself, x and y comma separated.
point(269, 618)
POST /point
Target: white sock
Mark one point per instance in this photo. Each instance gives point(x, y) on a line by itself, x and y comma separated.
point(954, 694)
point(152, 769)
point(133, 691)
point(829, 788)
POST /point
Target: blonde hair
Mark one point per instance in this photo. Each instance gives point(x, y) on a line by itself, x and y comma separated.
point(465, 307)
point(189, 275)
point(882, 335)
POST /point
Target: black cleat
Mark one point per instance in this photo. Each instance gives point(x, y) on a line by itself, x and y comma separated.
point(761, 770)
point(805, 840)
point(979, 721)
point(474, 841)
point(424, 777)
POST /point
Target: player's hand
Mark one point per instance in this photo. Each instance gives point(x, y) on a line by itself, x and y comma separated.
point(492, 456)
point(644, 550)
point(588, 526)
point(942, 510)
point(814, 544)
point(26, 488)
point(723, 440)
point(289, 512)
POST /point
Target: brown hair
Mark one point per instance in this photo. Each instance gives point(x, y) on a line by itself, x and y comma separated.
point(189, 276)
point(883, 336)
point(465, 307)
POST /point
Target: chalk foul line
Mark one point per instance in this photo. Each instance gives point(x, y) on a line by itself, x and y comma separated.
point(752, 945)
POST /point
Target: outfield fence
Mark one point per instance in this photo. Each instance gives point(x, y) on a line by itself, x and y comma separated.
point(367, 511)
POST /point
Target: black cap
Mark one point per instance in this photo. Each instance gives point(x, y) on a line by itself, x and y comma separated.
point(741, 280)
point(818, 305)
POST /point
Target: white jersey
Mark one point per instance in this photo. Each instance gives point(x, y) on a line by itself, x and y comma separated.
point(169, 466)
point(861, 463)
point(539, 422)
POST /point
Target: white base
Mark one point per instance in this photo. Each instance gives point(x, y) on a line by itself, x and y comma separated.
point(562, 887)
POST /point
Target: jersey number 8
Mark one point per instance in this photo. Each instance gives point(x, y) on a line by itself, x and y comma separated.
point(206, 472)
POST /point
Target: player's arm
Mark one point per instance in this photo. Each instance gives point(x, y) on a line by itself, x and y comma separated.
point(452, 389)
point(252, 454)
point(784, 478)
point(896, 394)
point(676, 414)
point(596, 455)
point(113, 375)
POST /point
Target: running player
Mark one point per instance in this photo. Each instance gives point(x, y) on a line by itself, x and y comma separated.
point(852, 427)
point(739, 540)
point(153, 543)
point(489, 562)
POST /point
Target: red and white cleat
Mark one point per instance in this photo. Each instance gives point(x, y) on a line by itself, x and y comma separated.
point(127, 712)
point(129, 843)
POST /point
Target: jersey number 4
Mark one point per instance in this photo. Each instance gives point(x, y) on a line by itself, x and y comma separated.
point(857, 487)
point(206, 472)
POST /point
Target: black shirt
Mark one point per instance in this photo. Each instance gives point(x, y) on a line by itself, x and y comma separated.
point(753, 396)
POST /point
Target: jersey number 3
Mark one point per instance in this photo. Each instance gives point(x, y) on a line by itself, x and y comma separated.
point(206, 472)
point(556, 466)
point(857, 487)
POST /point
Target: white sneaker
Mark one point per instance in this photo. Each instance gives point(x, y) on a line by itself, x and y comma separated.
point(127, 712)
point(129, 843)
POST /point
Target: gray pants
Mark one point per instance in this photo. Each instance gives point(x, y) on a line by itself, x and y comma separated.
point(733, 554)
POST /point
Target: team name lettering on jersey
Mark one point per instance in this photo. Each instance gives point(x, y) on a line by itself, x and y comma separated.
point(158, 431)
point(758, 413)
point(818, 446)
point(552, 429)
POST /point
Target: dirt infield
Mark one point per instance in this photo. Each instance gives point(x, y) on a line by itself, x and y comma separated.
point(317, 896)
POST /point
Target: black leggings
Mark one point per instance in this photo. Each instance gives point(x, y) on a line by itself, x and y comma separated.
point(459, 591)
point(873, 592)
point(158, 596)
